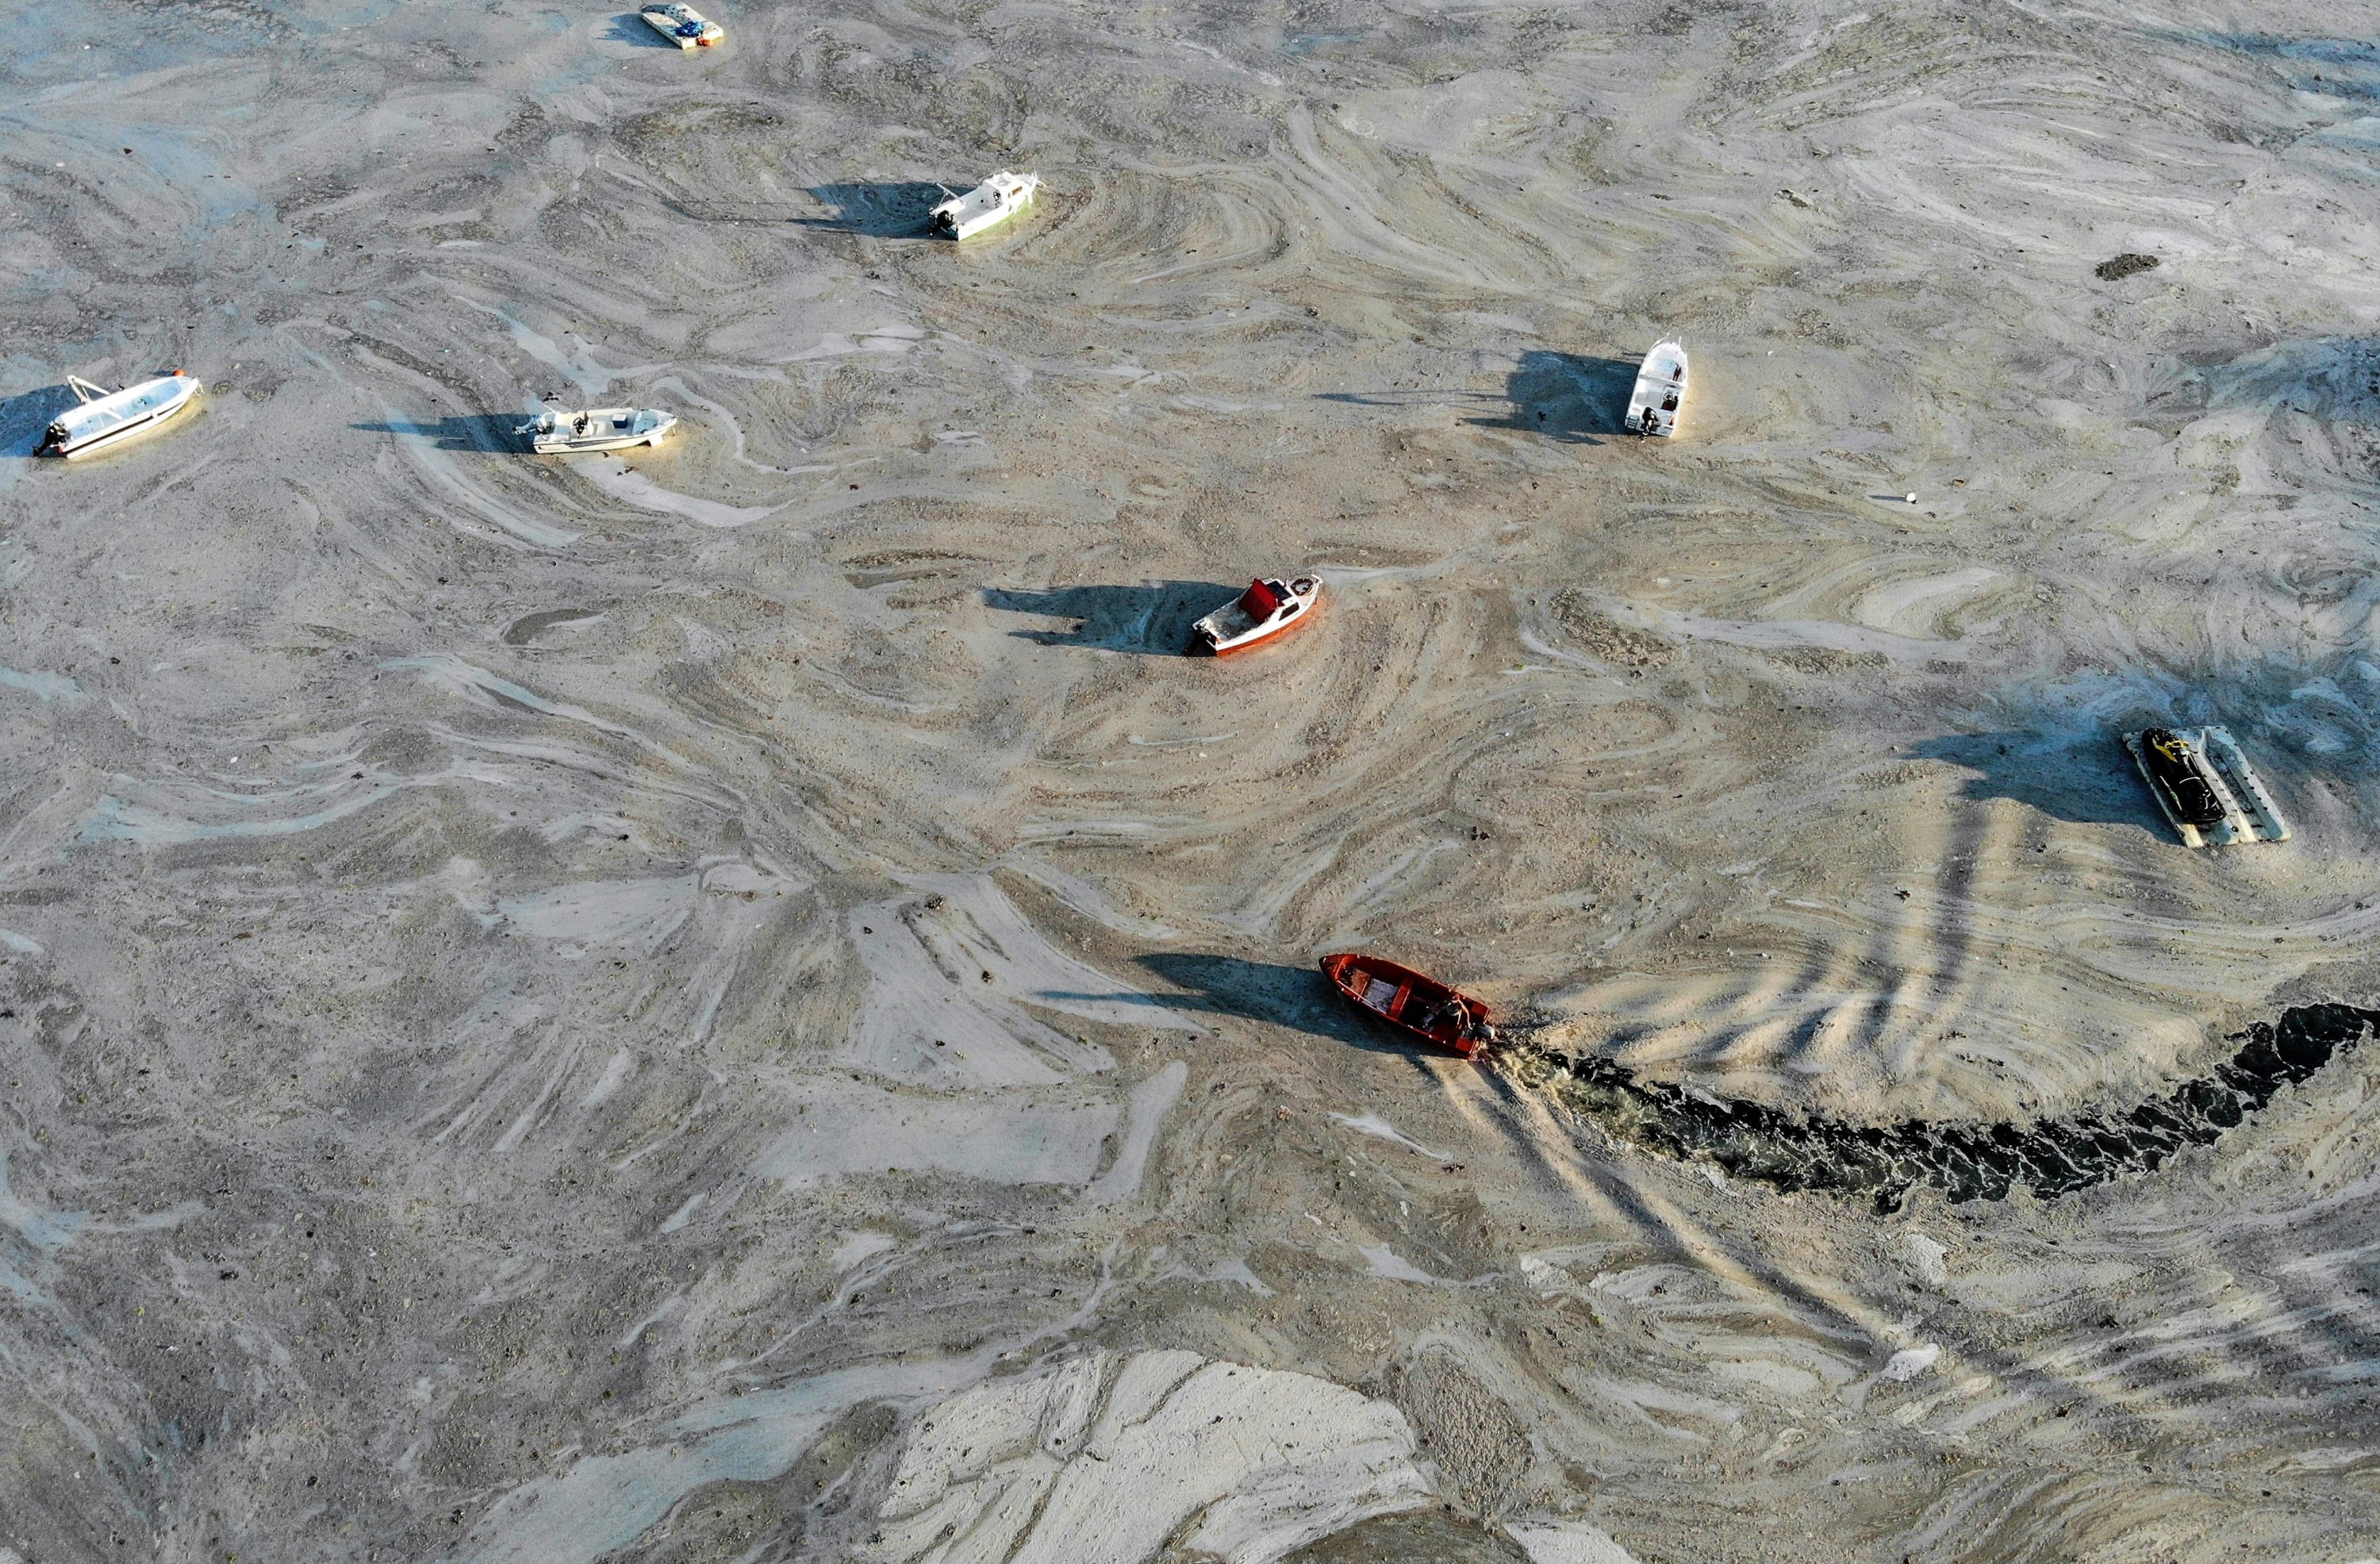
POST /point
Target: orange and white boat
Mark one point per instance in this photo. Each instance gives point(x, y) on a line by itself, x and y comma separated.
point(1266, 609)
point(682, 24)
point(1403, 998)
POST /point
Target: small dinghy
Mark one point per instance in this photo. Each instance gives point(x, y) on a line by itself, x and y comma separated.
point(996, 199)
point(106, 418)
point(1661, 387)
point(596, 429)
point(684, 25)
point(1266, 609)
point(1403, 998)
point(2203, 782)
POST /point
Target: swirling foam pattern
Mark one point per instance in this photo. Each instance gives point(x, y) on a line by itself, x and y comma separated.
point(559, 1010)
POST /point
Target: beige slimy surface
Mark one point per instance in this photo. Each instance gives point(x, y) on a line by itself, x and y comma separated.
point(598, 1008)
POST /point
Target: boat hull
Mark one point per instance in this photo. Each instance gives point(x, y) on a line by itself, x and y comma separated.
point(1410, 1001)
point(587, 447)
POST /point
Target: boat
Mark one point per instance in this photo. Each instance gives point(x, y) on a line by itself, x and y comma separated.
point(596, 428)
point(1266, 609)
point(996, 199)
point(2204, 786)
point(1403, 998)
point(684, 25)
point(1661, 387)
point(105, 418)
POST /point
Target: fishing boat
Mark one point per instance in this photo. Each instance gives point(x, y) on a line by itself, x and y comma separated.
point(684, 25)
point(1661, 387)
point(2203, 783)
point(996, 200)
point(1403, 998)
point(106, 418)
point(1266, 609)
point(596, 428)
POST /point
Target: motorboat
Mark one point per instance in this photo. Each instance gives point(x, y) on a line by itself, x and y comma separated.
point(684, 25)
point(1661, 387)
point(105, 418)
point(1265, 610)
point(1406, 998)
point(2206, 790)
point(596, 428)
point(2185, 790)
point(996, 200)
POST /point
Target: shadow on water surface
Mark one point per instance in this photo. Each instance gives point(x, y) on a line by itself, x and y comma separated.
point(2090, 782)
point(1298, 997)
point(1153, 620)
point(1565, 397)
point(2344, 67)
point(2331, 377)
point(894, 210)
point(24, 420)
point(462, 431)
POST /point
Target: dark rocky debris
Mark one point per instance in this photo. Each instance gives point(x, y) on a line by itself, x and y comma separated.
point(1965, 1161)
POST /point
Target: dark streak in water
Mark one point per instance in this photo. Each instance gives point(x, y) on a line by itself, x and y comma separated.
point(1965, 1161)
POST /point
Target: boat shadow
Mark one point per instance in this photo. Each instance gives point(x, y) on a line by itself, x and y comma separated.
point(2087, 782)
point(461, 431)
point(896, 209)
point(1151, 620)
point(24, 420)
point(1565, 397)
point(631, 28)
point(1297, 997)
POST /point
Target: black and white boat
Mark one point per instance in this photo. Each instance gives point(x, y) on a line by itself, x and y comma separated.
point(1660, 388)
point(105, 417)
point(2204, 784)
point(995, 201)
point(596, 428)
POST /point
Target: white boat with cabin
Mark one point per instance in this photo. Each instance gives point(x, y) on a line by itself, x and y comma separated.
point(1660, 387)
point(996, 200)
point(596, 428)
point(684, 25)
point(105, 417)
point(1267, 608)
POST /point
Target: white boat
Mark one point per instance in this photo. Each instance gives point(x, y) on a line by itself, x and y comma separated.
point(1661, 387)
point(107, 417)
point(684, 25)
point(2203, 783)
point(596, 428)
point(996, 199)
point(1266, 609)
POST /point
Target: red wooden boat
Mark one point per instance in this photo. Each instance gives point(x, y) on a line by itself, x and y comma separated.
point(1404, 997)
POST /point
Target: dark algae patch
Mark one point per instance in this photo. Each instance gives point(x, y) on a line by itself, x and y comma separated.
point(1965, 1161)
point(2121, 267)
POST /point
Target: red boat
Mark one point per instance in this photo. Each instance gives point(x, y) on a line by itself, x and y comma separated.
point(1404, 997)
